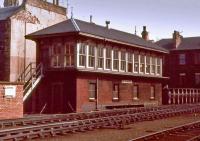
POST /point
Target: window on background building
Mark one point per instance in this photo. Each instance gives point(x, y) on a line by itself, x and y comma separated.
point(135, 92)
point(158, 66)
point(100, 57)
point(123, 61)
point(130, 62)
point(69, 54)
point(108, 58)
point(148, 64)
point(182, 79)
point(197, 79)
point(152, 92)
point(115, 91)
point(91, 56)
point(82, 55)
point(182, 59)
point(153, 65)
point(197, 58)
point(92, 90)
point(56, 55)
point(115, 60)
point(142, 63)
point(136, 63)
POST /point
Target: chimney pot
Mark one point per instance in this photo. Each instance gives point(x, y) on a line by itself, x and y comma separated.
point(91, 19)
point(107, 24)
point(144, 28)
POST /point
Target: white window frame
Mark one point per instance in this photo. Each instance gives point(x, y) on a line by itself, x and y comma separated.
point(100, 57)
point(148, 63)
point(160, 60)
point(138, 62)
point(128, 61)
point(123, 61)
point(89, 56)
point(116, 59)
point(109, 59)
point(78, 54)
point(141, 64)
point(153, 57)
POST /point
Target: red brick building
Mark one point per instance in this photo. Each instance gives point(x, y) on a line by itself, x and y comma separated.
point(88, 67)
point(11, 100)
point(182, 64)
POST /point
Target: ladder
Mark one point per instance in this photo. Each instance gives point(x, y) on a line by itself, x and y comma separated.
point(31, 76)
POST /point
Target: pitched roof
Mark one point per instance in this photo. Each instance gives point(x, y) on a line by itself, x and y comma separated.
point(74, 25)
point(7, 12)
point(188, 43)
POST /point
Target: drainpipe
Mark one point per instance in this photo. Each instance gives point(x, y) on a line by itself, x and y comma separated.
point(97, 94)
point(24, 48)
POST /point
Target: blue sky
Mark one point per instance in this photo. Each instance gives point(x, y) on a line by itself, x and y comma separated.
point(161, 17)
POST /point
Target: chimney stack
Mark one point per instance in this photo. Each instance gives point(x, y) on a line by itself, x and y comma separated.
point(176, 39)
point(145, 34)
point(107, 24)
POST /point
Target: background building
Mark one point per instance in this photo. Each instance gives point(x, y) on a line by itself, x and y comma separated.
point(16, 21)
point(182, 64)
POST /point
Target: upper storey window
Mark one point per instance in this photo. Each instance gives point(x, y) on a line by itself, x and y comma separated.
point(142, 63)
point(148, 61)
point(69, 54)
point(182, 59)
point(130, 62)
point(108, 58)
point(159, 66)
point(91, 56)
point(153, 65)
point(115, 60)
point(197, 58)
point(123, 61)
point(136, 63)
point(100, 57)
point(82, 55)
point(56, 55)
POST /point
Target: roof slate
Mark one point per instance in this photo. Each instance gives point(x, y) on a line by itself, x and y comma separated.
point(7, 12)
point(75, 25)
point(188, 43)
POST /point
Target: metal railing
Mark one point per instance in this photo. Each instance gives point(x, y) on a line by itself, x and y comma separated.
point(183, 95)
point(31, 77)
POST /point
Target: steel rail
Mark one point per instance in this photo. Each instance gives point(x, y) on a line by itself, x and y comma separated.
point(76, 116)
point(176, 131)
point(118, 121)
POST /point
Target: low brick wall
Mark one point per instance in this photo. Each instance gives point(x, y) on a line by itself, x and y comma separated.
point(11, 107)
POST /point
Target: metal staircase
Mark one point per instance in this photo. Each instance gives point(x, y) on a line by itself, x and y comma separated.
point(31, 77)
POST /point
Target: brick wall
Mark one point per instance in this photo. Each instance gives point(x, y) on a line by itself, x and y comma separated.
point(11, 107)
point(105, 88)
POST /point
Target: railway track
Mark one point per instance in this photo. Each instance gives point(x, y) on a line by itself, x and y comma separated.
point(44, 119)
point(187, 132)
point(117, 120)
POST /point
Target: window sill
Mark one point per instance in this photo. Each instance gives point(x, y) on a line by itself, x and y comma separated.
point(136, 99)
point(92, 99)
point(115, 99)
point(152, 98)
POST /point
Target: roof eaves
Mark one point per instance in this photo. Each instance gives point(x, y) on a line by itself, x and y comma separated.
point(121, 42)
point(18, 9)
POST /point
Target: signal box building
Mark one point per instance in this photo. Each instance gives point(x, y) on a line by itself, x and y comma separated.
point(182, 64)
point(90, 67)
